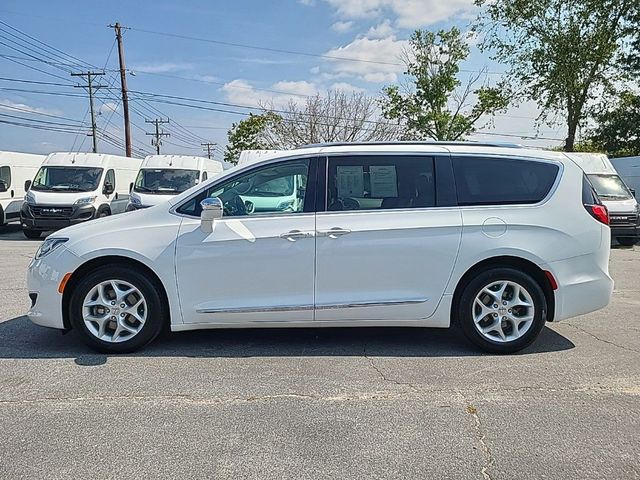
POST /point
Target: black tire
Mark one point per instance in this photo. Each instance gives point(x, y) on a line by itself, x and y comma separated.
point(473, 288)
point(31, 234)
point(627, 241)
point(103, 212)
point(157, 314)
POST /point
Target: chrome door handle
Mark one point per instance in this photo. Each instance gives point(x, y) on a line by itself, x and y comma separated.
point(294, 235)
point(336, 232)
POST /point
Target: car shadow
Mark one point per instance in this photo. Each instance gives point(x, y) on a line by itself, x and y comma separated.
point(20, 339)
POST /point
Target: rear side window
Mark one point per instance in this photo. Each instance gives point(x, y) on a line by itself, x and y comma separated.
point(380, 182)
point(502, 181)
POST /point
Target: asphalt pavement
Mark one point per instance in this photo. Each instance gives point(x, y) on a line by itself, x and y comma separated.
point(321, 403)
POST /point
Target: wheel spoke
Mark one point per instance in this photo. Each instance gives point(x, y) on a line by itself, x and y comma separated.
point(117, 323)
point(518, 311)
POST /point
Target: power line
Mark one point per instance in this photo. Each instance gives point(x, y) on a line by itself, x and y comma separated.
point(90, 88)
point(158, 134)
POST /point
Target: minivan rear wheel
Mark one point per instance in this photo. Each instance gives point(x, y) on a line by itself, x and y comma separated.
point(502, 310)
point(116, 309)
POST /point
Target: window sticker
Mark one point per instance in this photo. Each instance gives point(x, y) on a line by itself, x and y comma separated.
point(384, 181)
point(350, 181)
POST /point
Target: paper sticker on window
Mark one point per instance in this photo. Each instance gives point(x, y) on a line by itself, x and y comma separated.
point(350, 181)
point(384, 181)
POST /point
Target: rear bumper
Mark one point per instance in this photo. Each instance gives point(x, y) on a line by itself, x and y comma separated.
point(630, 231)
point(583, 285)
point(79, 214)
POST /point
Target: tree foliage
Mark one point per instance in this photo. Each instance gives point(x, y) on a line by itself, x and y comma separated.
point(335, 117)
point(250, 133)
point(434, 104)
point(567, 55)
point(618, 129)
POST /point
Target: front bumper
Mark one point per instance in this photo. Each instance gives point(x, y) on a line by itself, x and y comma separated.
point(54, 217)
point(43, 280)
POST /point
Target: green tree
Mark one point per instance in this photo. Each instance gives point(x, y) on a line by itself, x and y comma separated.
point(618, 129)
point(434, 103)
point(251, 133)
point(566, 55)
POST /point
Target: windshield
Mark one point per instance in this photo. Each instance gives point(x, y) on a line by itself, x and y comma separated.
point(165, 181)
point(67, 179)
point(609, 186)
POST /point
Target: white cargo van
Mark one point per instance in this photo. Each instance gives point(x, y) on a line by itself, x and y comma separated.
point(15, 169)
point(71, 188)
point(629, 170)
point(163, 176)
point(252, 156)
point(624, 212)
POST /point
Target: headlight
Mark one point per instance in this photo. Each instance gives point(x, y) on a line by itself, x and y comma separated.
point(85, 200)
point(49, 245)
point(135, 200)
point(30, 198)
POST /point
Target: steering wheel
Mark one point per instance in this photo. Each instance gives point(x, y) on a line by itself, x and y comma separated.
point(234, 207)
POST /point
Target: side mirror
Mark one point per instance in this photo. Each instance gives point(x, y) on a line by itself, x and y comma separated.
point(3, 186)
point(27, 185)
point(211, 211)
point(130, 187)
point(633, 191)
point(108, 189)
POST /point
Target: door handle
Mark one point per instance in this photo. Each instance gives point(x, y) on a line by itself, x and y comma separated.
point(294, 235)
point(335, 232)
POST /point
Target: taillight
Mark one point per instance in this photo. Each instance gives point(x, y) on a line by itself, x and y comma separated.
point(599, 212)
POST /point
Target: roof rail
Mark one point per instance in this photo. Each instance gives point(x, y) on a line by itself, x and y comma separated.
point(412, 142)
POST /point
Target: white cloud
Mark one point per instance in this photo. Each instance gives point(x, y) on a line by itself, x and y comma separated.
point(408, 13)
point(346, 88)
point(162, 67)
point(375, 60)
point(108, 107)
point(279, 94)
point(16, 107)
point(342, 27)
point(383, 29)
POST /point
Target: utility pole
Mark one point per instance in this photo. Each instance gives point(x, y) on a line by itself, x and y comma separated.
point(158, 133)
point(208, 147)
point(91, 87)
point(123, 85)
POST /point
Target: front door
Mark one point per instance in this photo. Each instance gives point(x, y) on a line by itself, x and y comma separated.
point(258, 263)
point(388, 240)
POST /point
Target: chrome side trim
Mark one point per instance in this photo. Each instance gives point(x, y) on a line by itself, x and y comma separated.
point(278, 308)
point(327, 306)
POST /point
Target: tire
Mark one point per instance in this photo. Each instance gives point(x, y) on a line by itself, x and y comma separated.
point(627, 241)
point(31, 234)
point(104, 212)
point(115, 338)
point(509, 312)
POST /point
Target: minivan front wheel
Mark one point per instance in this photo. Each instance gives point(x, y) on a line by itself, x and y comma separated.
point(116, 309)
point(502, 310)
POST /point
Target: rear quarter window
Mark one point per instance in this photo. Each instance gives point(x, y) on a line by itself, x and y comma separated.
point(502, 181)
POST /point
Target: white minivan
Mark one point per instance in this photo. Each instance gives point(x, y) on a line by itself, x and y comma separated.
point(496, 240)
point(71, 188)
point(163, 176)
point(624, 211)
point(15, 169)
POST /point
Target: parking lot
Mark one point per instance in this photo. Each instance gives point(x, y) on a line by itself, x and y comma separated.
point(321, 403)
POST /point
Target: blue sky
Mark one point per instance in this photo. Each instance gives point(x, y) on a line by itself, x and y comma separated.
point(374, 30)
